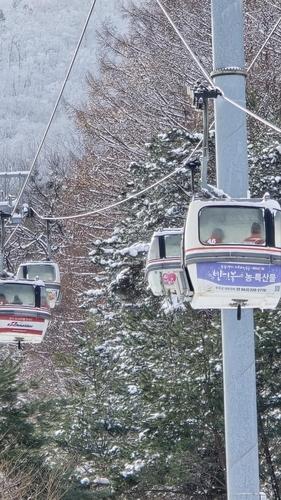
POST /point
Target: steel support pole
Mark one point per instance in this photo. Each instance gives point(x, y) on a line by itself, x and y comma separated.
point(205, 146)
point(232, 176)
point(48, 235)
point(2, 246)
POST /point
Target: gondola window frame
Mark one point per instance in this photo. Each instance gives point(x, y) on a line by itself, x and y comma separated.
point(233, 207)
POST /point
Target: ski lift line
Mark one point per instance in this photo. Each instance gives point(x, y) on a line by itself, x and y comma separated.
point(272, 5)
point(56, 104)
point(251, 113)
point(265, 122)
point(264, 44)
point(187, 46)
point(124, 200)
point(196, 59)
point(14, 173)
point(207, 76)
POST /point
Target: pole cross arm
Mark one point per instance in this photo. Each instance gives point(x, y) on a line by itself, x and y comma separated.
point(5, 209)
point(200, 95)
point(18, 173)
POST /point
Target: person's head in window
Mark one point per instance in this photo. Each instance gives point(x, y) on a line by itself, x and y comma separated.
point(216, 237)
point(16, 300)
point(256, 237)
point(3, 299)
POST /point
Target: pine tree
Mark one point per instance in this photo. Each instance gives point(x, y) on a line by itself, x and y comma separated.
point(23, 470)
point(152, 391)
point(150, 409)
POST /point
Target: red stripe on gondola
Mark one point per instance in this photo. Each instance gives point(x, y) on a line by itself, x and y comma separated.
point(17, 317)
point(165, 260)
point(254, 248)
point(9, 330)
point(20, 307)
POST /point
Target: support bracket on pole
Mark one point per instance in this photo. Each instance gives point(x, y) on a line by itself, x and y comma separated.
point(200, 95)
point(48, 236)
point(193, 165)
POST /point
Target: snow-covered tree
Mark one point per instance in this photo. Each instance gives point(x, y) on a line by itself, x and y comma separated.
point(151, 369)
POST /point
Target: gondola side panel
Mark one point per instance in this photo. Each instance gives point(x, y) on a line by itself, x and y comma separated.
point(26, 325)
point(225, 285)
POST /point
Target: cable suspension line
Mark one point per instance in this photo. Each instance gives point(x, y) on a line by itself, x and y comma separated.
point(251, 113)
point(52, 115)
point(56, 104)
point(264, 44)
point(163, 179)
point(124, 200)
point(187, 46)
point(223, 96)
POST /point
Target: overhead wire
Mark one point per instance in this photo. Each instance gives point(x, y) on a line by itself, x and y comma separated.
point(264, 44)
point(223, 96)
point(124, 200)
point(56, 105)
point(53, 113)
point(251, 113)
point(187, 46)
point(163, 179)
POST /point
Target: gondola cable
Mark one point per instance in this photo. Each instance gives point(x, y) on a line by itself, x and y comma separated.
point(207, 76)
point(56, 104)
point(52, 114)
point(187, 46)
point(135, 195)
point(124, 200)
point(264, 44)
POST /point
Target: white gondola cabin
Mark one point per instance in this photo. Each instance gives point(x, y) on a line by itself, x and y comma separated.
point(46, 271)
point(232, 253)
point(164, 269)
point(24, 311)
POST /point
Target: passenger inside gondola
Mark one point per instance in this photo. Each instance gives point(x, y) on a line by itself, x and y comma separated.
point(256, 237)
point(216, 237)
point(15, 293)
point(16, 300)
point(3, 299)
point(230, 226)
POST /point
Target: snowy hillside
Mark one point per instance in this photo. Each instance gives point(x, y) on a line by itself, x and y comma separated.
point(38, 38)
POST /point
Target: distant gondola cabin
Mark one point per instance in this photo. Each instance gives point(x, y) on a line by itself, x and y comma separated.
point(164, 269)
point(46, 271)
point(24, 311)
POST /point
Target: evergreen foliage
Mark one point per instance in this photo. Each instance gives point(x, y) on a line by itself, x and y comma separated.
point(23, 470)
point(16, 430)
point(151, 408)
point(144, 412)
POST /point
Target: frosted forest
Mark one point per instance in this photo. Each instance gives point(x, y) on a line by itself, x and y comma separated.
point(124, 397)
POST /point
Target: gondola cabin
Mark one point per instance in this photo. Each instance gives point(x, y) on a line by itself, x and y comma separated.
point(46, 271)
point(232, 253)
point(24, 311)
point(164, 269)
